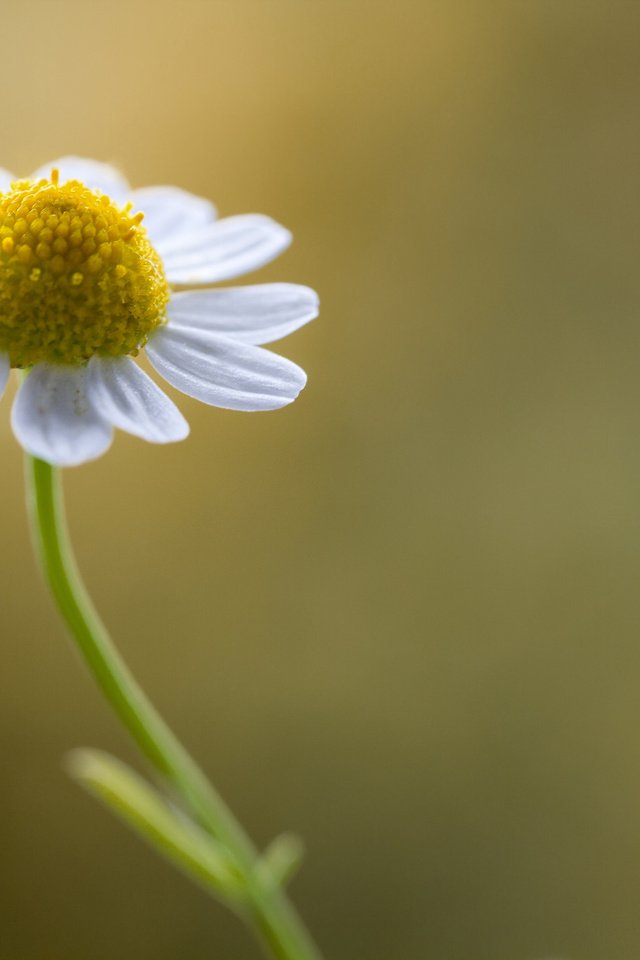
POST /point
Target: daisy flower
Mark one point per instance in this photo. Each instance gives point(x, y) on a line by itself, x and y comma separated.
point(88, 271)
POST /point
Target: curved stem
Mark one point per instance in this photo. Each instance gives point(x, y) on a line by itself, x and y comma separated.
point(276, 922)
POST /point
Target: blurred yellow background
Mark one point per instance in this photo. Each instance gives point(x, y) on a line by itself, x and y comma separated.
point(399, 617)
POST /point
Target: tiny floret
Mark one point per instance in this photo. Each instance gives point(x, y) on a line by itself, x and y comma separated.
point(78, 275)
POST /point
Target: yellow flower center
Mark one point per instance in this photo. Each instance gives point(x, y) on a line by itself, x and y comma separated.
point(78, 275)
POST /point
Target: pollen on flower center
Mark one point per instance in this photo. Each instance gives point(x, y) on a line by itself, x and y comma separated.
point(78, 275)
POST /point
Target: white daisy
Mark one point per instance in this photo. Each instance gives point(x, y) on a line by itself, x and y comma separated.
point(84, 286)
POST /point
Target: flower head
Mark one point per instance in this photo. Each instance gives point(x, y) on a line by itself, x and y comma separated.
point(88, 270)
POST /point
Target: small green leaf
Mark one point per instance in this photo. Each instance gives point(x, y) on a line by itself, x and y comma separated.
point(281, 860)
point(171, 833)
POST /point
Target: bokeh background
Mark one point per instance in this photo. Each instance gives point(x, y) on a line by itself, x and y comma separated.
point(401, 616)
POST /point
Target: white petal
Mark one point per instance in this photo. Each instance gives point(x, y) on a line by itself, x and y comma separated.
point(223, 372)
point(53, 417)
point(6, 179)
point(130, 400)
point(171, 214)
point(226, 249)
point(95, 175)
point(255, 314)
point(5, 370)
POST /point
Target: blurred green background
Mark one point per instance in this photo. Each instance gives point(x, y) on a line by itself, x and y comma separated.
point(400, 617)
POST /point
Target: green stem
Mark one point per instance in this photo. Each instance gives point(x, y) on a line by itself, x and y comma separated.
point(279, 928)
